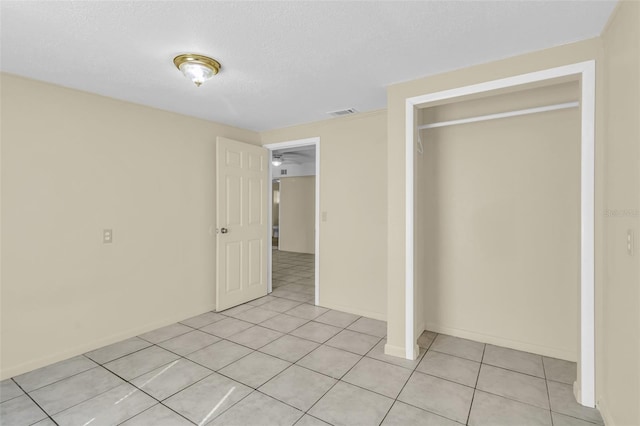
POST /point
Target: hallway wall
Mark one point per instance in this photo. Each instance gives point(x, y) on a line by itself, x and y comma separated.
point(297, 214)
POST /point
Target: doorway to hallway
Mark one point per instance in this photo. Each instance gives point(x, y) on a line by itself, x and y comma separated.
point(293, 264)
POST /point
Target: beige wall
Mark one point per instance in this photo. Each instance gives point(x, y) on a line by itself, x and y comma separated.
point(498, 222)
point(353, 198)
point(397, 95)
point(73, 164)
point(619, 375)
point(297, 214)
point(617, 189)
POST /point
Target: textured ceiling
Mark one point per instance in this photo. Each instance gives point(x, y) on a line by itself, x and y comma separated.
point(283, 63)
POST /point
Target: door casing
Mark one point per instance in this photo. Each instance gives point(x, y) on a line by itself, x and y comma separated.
point(293, 144)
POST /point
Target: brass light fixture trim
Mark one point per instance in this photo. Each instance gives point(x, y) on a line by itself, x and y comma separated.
point(199, 60)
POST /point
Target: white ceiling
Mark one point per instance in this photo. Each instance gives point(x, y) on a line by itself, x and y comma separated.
point(283, 63)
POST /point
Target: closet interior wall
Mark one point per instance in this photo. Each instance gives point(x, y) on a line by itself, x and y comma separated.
point(498, 222)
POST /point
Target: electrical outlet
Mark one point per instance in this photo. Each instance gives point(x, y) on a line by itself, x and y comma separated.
point(630, 242)
point(107, 236)
point(324, 216)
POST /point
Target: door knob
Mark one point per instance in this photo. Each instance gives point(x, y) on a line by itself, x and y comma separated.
point(224, 230)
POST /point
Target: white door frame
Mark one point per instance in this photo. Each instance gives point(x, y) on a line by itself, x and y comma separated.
point(586, 72)
point(293, 144)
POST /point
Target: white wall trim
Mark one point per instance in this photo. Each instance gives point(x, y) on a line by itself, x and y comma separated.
point(586, 72)
point(355, 311)
point(409, 331)
point(398, 351)
point(606, 413)
point(292, 144)
point(587, 356)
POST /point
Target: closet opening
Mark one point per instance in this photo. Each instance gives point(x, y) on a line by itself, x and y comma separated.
point(500, 216)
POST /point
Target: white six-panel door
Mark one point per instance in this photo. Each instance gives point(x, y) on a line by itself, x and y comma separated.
point(242, 232)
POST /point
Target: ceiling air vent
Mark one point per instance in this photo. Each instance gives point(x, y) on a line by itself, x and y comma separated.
point(341, 112)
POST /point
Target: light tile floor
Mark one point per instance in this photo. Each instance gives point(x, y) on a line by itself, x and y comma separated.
point(280, 361)
point(293, 276)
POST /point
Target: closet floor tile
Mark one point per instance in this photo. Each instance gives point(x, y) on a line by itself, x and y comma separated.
point(442, 397)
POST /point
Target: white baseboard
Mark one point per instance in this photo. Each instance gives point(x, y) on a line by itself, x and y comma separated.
point(418, 331)
point(394, 351)
point(400, 352)
point(352, 310)
point(576, 392)
point(605, 413)
point(49, 359)
point(416, 352)
point(501, 341)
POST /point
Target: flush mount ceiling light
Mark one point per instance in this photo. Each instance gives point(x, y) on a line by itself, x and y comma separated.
point(197, 68)
point(277, 160)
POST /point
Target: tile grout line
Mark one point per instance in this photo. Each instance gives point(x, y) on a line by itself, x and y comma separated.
point(84, 400)
point(34, 401)
point(338, 380)
point(80, 402)
point(398, 395)
point(221, 412)
point(121, 356)
point(413, 371)
point(313, 417)
point(154, 405)
point(141, 390)
point(444, 379)
point(546, 384)
point(475, 386)
point(180, 390)
point(59, 380)
point(139, 336)
point(461, 357)
point(406, 381)
point(276, 375)
point(495, 366)
point(232, 362)
point(320, 345)
point(524, 374)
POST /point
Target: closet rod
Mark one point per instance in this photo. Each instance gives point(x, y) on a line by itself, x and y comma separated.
point(501, 115)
